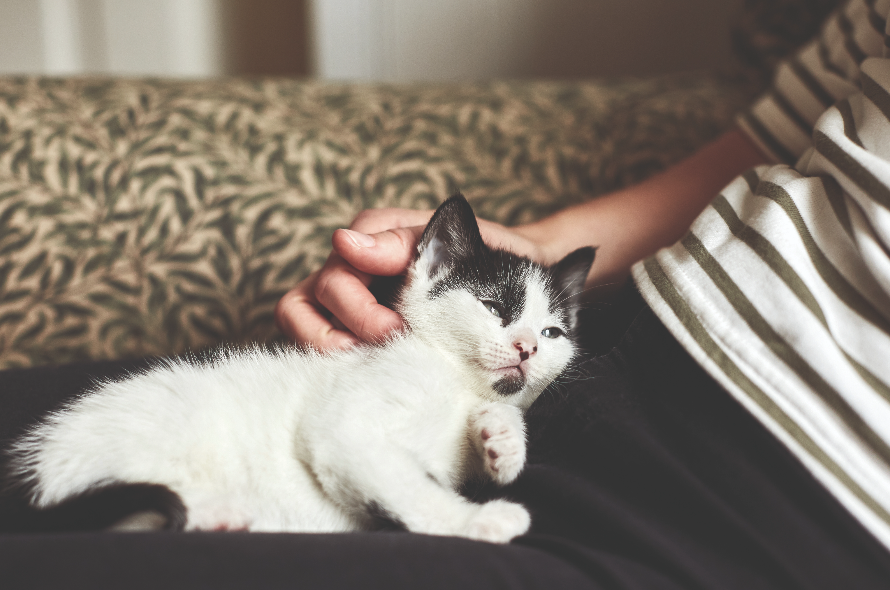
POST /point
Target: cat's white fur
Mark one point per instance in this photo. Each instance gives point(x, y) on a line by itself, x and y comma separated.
point(301, 441)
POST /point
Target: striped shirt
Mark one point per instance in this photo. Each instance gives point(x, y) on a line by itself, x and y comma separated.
point(781, 288)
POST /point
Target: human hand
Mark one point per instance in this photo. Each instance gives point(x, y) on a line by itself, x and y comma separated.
point(333, 307)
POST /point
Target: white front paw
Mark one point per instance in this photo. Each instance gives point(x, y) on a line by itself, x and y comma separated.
point(498, 521)
point(500, 439)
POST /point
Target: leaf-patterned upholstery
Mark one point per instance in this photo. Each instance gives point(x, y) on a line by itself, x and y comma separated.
point(147, 217)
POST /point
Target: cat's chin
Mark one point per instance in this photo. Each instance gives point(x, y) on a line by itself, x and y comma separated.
point(512, 380)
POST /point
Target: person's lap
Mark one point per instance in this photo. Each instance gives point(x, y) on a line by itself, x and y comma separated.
point(649, 458)
point(642, 473)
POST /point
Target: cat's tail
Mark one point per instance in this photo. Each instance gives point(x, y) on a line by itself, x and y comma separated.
point(119, 506)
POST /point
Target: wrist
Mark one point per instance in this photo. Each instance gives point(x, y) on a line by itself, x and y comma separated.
point(546, 237)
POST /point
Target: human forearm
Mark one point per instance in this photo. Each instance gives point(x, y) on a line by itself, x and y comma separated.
point(632, 223)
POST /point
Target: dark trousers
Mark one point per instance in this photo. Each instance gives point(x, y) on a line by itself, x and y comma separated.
point(643, 474)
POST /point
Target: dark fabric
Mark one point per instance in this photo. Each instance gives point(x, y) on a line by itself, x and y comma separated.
point(647, 458)
point(643, 474)
point(768, 31)
point(220, 561)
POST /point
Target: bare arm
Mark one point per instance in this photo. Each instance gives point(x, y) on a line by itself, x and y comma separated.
point(333, 308)
point(630, 224)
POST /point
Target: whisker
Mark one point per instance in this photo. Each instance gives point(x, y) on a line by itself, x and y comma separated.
point(582, 292)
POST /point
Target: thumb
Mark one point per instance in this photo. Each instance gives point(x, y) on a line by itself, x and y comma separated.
point(387, 253)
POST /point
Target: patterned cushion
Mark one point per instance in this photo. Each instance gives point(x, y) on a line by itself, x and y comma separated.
point(146, 217)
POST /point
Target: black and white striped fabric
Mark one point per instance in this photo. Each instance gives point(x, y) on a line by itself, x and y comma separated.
point(781, 289)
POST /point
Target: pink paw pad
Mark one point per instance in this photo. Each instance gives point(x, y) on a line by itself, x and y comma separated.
point(501, 442)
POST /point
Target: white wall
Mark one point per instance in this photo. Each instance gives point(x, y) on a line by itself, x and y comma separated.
point(402, 40)
point(21, 48)
point(128, 37)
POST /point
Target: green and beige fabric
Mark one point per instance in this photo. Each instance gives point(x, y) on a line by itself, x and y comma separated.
point(146, 217)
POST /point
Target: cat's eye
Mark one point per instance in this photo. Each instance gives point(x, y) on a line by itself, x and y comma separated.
point(493, 308)
point(551, 332)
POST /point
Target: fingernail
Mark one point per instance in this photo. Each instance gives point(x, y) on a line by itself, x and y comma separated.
point(361, 240)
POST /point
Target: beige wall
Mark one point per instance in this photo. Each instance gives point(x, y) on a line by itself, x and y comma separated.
point(614, 37)
point(402, 40)
point(129, 37)
point(154, 37)
point(391, 40)
point(265, 37)
point(21, 48)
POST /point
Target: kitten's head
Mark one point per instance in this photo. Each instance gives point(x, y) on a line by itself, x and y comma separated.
point(509, 320)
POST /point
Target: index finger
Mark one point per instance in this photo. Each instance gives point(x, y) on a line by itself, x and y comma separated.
point(372, 221)
point(387, 253)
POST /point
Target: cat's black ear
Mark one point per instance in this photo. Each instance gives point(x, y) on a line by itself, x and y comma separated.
point(569, 276)
point(452, 234)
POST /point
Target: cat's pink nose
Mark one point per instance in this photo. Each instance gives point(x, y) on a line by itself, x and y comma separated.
point(526, 344)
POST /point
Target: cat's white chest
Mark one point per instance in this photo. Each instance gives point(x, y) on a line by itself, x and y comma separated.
point(408, 399)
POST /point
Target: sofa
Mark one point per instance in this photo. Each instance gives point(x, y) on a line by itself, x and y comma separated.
point(151, 217)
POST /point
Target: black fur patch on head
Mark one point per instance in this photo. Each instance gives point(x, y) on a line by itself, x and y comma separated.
point(454, 245)
point(491, 275)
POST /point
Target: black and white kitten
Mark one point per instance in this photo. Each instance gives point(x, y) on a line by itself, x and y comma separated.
point(305, 442)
